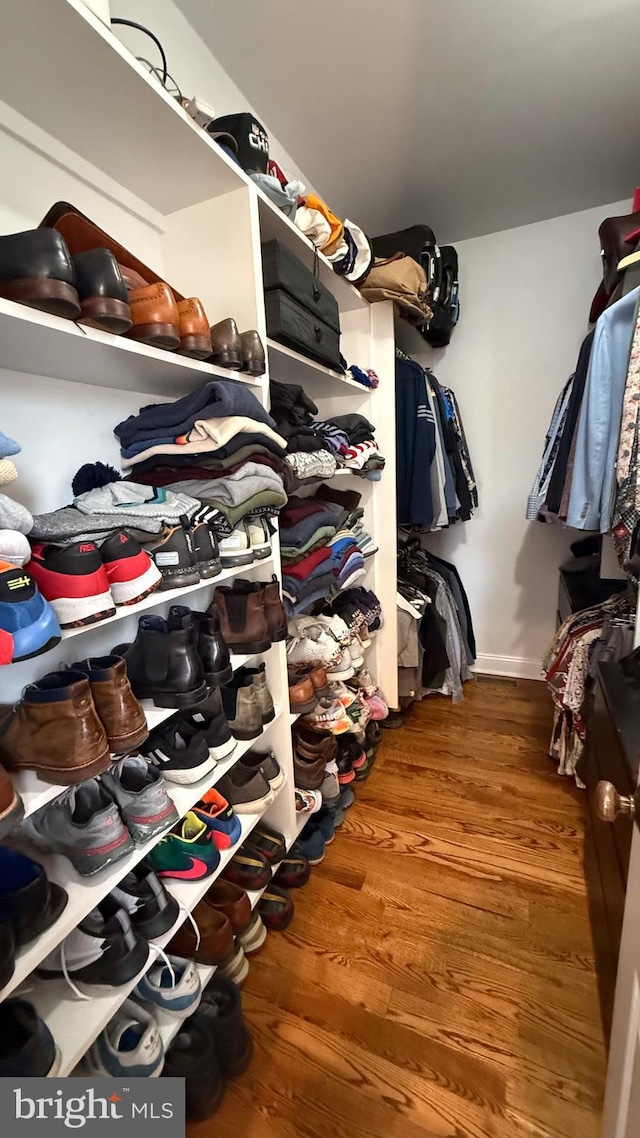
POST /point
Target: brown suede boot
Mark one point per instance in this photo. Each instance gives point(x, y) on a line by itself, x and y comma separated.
point(55, 731)
point(121, 715)
point(261, 691)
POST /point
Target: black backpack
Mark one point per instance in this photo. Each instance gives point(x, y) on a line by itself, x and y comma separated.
point(447, 309)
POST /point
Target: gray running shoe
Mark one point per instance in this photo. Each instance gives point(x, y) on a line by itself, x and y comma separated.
point(141, 793)
point(83, 824)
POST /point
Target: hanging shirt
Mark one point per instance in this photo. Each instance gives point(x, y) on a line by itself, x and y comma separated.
point(593, 482)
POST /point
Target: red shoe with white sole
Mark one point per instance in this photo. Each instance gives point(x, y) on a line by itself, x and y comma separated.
point(131, 572)
point(74, 581)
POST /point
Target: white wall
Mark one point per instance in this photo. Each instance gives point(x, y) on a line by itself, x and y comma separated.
point(525, 296)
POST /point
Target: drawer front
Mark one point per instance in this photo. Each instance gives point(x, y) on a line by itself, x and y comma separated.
point(281, 270)
point(294, 326)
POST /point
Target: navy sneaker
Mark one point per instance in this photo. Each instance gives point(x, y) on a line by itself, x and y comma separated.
point(311, 843)
point(26, 1044)
point(25, 615)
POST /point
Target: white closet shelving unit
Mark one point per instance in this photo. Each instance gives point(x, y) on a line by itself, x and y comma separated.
point(82, 121)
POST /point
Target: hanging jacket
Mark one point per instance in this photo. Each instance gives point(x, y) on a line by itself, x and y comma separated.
point(593, 482)
point(415, 446)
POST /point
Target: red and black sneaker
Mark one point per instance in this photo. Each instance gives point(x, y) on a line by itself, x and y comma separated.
point(74, 581)
point(131, 572)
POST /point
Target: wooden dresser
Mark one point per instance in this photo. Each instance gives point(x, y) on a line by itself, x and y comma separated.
point(613, 753)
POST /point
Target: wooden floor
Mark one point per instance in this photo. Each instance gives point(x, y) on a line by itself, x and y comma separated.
point(438, 976)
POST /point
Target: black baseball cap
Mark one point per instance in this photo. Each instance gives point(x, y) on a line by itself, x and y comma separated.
point(251, 139)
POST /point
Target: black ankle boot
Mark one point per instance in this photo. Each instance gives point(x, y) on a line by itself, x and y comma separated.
point(212, 650)
point(163, 663)
point(221, 1005)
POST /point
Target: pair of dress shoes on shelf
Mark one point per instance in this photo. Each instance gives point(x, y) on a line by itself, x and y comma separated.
point(70, 267)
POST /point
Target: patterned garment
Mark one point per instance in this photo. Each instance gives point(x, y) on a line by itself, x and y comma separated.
point(538, 494)
point(627, 506)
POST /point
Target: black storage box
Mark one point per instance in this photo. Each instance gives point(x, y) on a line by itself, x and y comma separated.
point(293, 325)
point(281, 269)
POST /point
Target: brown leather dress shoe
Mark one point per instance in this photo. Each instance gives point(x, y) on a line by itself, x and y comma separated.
point(252, 350)
point(231, 900)
point(312, 750)
point(195, 337)
point(11, 805)
point(302, 696)
point(217, 946)
point(55, 730)
point(226, 346)
point(156, 320)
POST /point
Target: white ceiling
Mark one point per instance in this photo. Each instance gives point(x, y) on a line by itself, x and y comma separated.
point(470, 115)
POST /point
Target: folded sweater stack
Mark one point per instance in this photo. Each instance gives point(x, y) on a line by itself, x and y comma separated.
point(323, 547)
point(217, 445)
point(315, 449)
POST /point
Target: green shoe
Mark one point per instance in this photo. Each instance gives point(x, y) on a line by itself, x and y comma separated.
point(186, 854)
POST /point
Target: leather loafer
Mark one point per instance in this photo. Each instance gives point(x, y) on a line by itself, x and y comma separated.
point(103, 294)
point(226, 346)
point(36, 269)
point(155, 316)
point(249, 869)
point(276, 908)
point(195, 337)
point(252, 351)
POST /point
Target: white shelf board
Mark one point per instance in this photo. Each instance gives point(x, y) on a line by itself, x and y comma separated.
point(37, 343)
point(293, 715)
point(86, 892)
point(275, 224)
point(301, 821)
point(75, 1023)
point(124, 123)
point(289, 366)
point(35, 793)
point(154, 600)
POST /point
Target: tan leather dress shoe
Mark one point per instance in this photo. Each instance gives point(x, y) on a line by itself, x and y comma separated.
point(195, 338)
point(156, 320)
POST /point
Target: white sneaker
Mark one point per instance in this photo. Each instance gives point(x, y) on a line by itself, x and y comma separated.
point(142, 1053)
point(342, 668)
point(355, 650)
point(258, 532)
point(236, 548)
point(170, 998)
point(337, 627)
point(312, 645)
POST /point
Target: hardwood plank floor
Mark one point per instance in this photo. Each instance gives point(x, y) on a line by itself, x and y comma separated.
point(438, 977)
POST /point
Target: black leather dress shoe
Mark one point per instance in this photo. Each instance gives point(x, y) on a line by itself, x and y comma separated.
point(103, 294)
point(36, 269)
